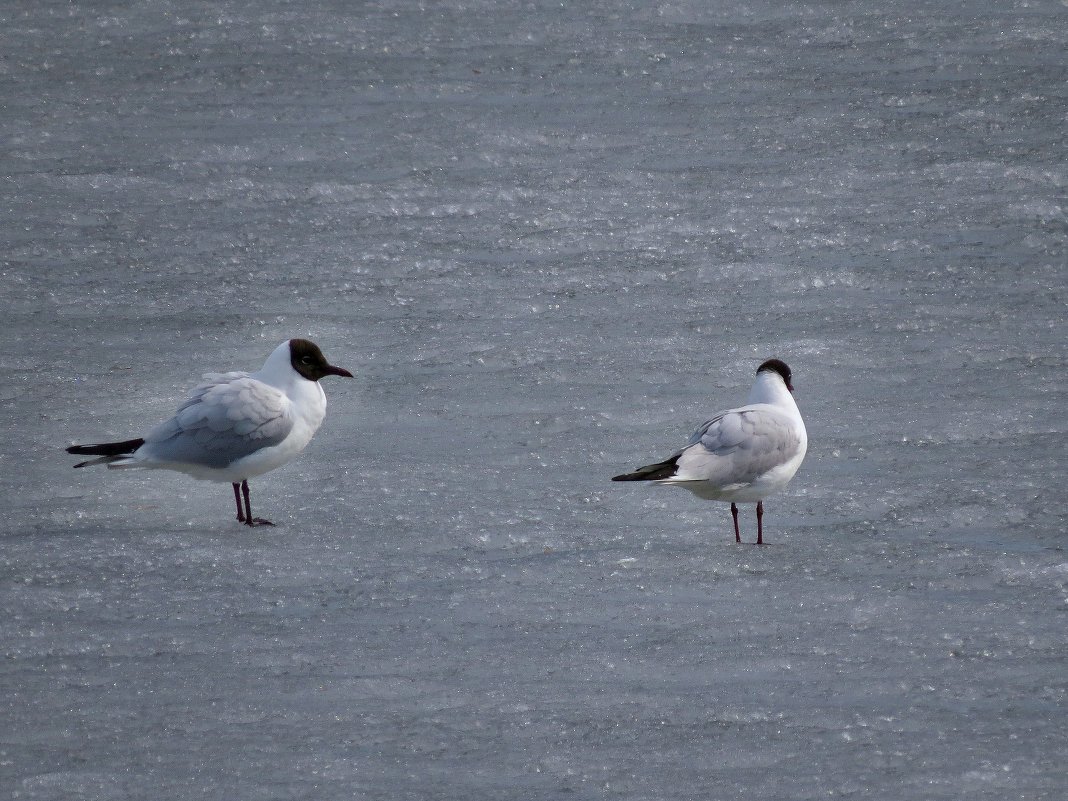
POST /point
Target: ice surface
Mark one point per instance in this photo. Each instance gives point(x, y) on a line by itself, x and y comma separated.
point(550, 239)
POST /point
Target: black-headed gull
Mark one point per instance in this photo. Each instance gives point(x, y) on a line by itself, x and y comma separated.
point(235, 425)
point(741, 455)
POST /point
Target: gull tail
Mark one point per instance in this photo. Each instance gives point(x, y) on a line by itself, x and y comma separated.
point(107, 451)
point(652, 472)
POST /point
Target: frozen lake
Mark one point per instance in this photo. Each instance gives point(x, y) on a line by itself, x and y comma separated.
point(549, 239)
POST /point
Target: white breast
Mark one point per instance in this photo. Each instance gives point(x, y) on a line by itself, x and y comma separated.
point(308, 407)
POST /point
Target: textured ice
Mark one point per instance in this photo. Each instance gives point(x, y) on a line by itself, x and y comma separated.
point(550, 240)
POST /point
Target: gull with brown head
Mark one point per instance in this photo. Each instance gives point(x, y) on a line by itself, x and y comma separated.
point(234, 426)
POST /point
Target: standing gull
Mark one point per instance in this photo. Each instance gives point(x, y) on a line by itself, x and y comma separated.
point(234, 425)
point(741, 455)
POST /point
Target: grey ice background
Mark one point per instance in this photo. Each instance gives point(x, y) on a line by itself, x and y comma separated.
point(550, 238)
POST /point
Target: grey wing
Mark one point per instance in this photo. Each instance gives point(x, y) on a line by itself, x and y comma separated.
point(225, 418)
point(738, 446)
point(699, 434)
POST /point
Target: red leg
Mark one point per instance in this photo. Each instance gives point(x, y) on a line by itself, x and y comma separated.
point(734, 514)
point(248, 505)
point(760, 522)
point(237, 497)
point(249, 519)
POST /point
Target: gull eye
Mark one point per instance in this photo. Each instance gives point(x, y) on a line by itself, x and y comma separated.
point(306, 360)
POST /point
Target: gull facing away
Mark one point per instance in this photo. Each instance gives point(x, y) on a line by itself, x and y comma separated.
point(741, 455)
point(234, 426)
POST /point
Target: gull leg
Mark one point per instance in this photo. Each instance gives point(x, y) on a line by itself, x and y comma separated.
point(734, 514)
point(760, 522)
point(248, 505)
point(237, 497)
point(249, 519)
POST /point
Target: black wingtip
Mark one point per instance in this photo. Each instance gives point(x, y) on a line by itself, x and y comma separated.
point(651, 472)
point(106, 449)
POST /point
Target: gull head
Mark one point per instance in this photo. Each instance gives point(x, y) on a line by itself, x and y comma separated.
point(309, 362)
point(780, 367)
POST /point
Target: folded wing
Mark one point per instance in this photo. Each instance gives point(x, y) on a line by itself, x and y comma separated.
point(739, 446)
point(227, 417)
